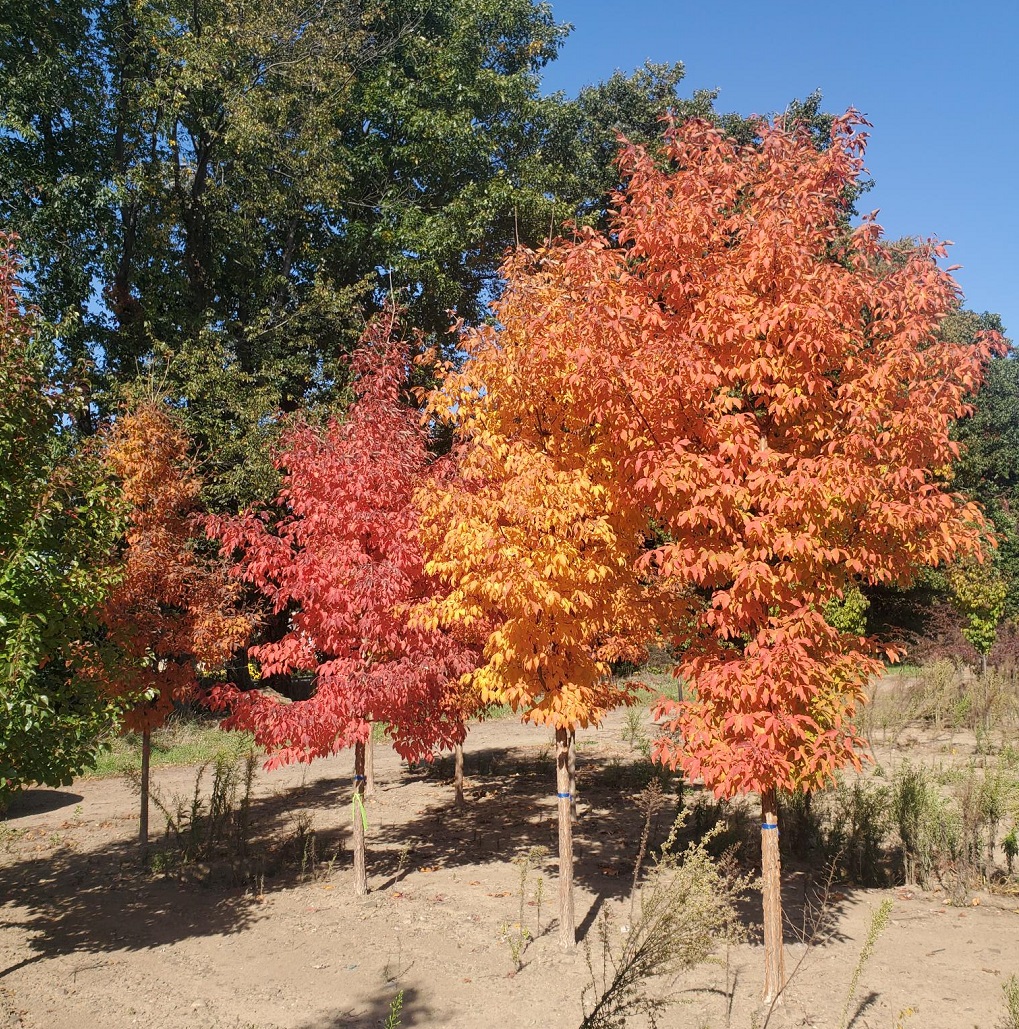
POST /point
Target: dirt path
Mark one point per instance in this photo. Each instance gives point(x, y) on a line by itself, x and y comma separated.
point(87, 939)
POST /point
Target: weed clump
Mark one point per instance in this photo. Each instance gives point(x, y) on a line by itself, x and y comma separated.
point(199, 827)
point(687, 905)
point(1010, 989)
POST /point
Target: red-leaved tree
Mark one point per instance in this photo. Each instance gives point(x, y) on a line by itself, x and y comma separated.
point(340, 554)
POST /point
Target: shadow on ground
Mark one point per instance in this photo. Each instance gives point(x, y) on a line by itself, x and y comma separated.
point(66, 901)
point(511, 808)
point(40, 802)
point(413, 1010)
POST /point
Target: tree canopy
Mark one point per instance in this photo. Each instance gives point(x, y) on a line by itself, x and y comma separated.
point(338, 554)
point(58, 522)
point(225, 191)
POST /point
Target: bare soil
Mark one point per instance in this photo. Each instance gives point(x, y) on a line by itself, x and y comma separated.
point(277, 941)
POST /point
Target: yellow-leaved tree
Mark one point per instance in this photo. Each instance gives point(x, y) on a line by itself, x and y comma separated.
point(530, 544)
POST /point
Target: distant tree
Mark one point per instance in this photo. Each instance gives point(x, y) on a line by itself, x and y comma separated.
point(340, 556)
point(228, 188)
point(172, 617)
point(58, 525)
point(988, 469)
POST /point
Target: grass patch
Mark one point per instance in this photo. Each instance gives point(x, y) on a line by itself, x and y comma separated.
point(495, 712)
point(657, 682)
point(184, 740)
point(899, 670)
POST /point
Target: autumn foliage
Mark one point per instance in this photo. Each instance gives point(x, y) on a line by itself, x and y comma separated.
point(535, 543)
point(767, 386)
point(529, 542)
point(816, 454)
point(172, 616)
point(340, 553)
point(759, 388)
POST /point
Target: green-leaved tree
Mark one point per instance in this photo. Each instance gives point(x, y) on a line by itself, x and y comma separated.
point(56, 526)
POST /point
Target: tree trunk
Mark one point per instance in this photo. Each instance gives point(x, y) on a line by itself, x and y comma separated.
point(143, 820)
point(369, 783)
point(360, 870)
point(572, 763)
point(458, 775)
point(567, 923)
point(771, 879)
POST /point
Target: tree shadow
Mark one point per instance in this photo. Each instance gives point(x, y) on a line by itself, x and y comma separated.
point(67, 900)
point(40, 802)
point(71, 902)
point(373, 1012)
point(510, 809)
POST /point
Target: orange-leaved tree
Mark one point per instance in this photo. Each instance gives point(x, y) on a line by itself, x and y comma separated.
point(340, 556)
point(782, 404)
point(173, 614)
point(530, 541)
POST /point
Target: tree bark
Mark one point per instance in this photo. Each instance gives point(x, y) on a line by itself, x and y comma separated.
point(143, 820)
point(458, 775)
point(572, 764)
point(369, 783)
point(360, 869)
point(771, 879)
point(567, 921)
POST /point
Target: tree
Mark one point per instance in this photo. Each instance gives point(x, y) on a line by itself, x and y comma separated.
point(978, 594)
point(58, 524)
point(340, 555)
point(227, 187)
point(583, 136)
point(988, 469)
point(531, 541)
point(930, 615)
point(825, 400)
point(780, 406)
point(171, 616)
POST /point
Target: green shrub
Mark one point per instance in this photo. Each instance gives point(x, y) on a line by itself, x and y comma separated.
point(928, 832)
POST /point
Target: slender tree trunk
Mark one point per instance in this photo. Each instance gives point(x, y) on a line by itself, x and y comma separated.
point(771, 879)
point(143, 820)
point(360, 869)
point(572, 764)
point(369, 784)
point(567, 922)
point(458, 775)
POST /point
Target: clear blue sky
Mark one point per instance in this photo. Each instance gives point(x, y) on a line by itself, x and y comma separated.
point(939, 82)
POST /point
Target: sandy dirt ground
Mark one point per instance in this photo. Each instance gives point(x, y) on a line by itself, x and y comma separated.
point(87, 938)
